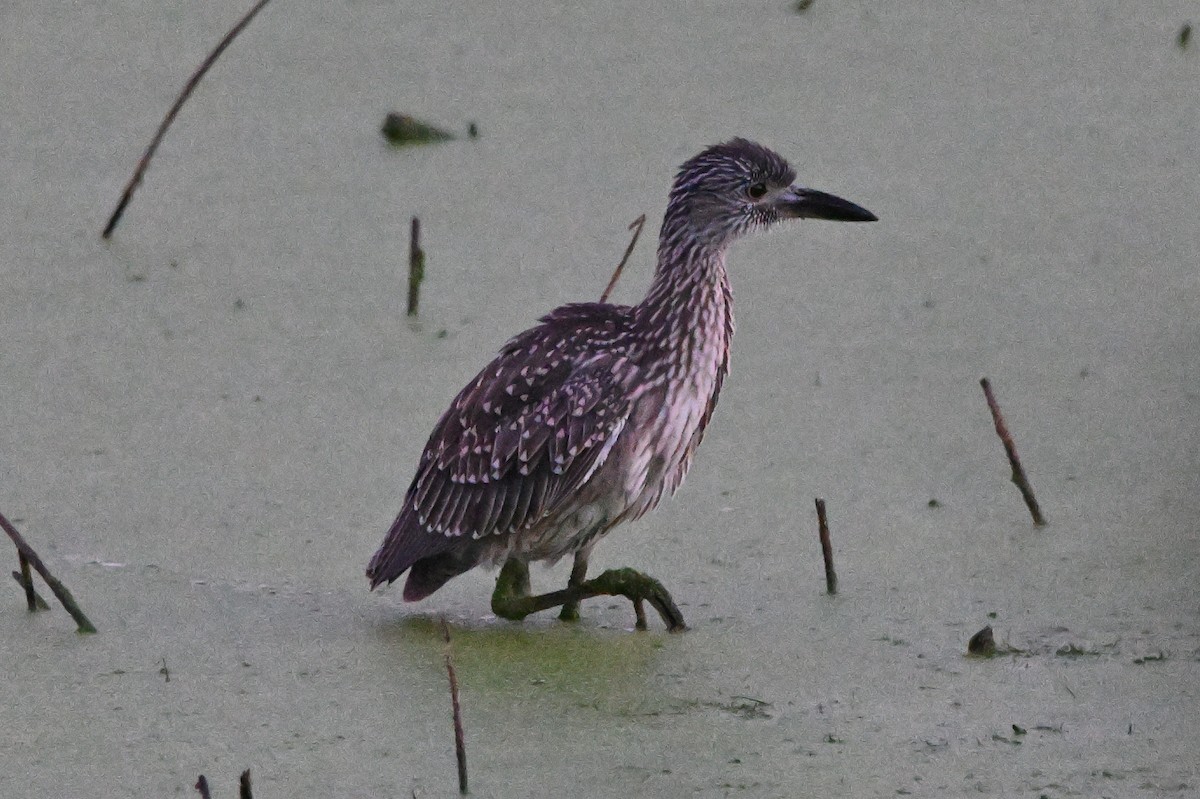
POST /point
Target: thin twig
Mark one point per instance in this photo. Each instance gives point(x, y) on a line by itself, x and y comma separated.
point(636, 226)
point(136, 180)
point(460, 744)
point(244, 791)
point(826, 548)
point(416, 266)
point(202, 786)
point(26, 582)
point(1018, 472)
point(60, 590)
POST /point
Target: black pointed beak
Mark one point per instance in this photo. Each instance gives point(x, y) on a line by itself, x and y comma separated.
point(801, 203)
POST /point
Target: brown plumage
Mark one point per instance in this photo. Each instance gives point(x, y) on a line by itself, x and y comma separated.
point(589, 418)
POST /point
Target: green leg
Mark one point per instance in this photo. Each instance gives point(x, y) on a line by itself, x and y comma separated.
point(512, 600)
point(570, 609)
point(512, 588)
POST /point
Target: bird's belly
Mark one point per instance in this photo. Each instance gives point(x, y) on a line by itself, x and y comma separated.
point(561, 534)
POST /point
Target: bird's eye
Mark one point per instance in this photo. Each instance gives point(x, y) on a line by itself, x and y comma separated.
point(757, 190)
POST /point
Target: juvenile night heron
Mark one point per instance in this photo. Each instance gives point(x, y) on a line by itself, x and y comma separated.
point(588, 419)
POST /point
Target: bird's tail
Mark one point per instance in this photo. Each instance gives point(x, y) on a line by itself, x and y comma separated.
point(405, 543)
point(429, 574)
point(408, 546)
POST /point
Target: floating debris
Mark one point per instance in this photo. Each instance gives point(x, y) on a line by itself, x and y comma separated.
point(1072, 651)
point(402, 129)
point(746, 707)
point(982, 643)
point(1185, 36)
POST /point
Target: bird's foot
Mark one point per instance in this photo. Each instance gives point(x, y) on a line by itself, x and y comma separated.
point(512, 600)
point(569, 612)
point(570, 608)
point(639, 615)
point(638, 588)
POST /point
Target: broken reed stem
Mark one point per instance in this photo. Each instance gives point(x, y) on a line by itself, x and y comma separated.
point(826, 548)
point(60, 590)
point(1018, 472)
point(460, 743)
point(143, 164)
point(26, 580)
point(636, 226)
point(416, 266)
point(244, 790)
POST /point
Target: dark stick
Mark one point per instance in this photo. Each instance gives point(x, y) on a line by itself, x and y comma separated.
point(26, 580)
point(202, 787)
point(636, 226)
point(136, 180)
point(826, 548)
point(60, 590)
point(1018, 472)
point(25, 583)
point(460, 744)
point(416, 266)
point(244, 791)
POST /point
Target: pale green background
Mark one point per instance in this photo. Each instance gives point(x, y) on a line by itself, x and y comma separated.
point(210, 479)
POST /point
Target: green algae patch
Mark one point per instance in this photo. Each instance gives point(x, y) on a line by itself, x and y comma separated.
point(556, 658)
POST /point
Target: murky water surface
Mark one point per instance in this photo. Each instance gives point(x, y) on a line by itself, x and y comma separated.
point(210, 420)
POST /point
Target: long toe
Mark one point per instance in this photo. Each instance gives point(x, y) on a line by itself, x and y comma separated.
point(671, 615)
point(638, 588)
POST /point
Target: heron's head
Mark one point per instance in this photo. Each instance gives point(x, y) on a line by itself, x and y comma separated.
point(739, 186)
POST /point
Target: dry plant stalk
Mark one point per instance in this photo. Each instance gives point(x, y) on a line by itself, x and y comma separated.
point(460, 743)
point(244, 790)
point(636, 226)
point(60, 590)
point(416, 266)
point(144, 163)
point(25, 578)
point(1018, 472)
point(826, 548)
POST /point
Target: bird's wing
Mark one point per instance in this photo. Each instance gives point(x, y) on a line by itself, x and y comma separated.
point(527, 432)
